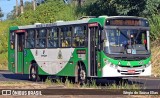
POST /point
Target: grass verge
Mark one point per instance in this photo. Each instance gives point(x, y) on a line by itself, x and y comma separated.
point(4, 61)
point(155, 59)
point(21, 85)
point(92, 85)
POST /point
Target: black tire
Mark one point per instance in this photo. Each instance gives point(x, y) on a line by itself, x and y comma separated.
point(81, 75)
point(34, 73)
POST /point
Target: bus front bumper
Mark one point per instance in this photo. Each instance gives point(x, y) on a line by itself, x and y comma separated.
point(112, 71)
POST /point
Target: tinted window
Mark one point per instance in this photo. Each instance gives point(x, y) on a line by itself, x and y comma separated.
point(79, 36)
point(65, 36)
point(53, 37)
point(41, 38)
point(30, 39)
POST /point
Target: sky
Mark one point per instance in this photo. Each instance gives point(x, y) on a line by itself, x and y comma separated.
point(7, 6)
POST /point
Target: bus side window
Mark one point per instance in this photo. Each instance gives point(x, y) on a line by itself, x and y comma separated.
point(65, 36)
point(41, 38)
point(53, 37)
point(79, 36)
point(30, 39)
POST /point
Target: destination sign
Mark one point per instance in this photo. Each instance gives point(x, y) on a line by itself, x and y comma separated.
point(127, 22)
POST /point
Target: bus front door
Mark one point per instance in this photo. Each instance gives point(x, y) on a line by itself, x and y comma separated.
point(93, 50)
point(19, 55)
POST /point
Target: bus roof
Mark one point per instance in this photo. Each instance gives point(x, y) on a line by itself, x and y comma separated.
point(58, 23)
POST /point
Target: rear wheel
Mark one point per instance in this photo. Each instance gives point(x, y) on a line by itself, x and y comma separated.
point(81, 74)
point(34, 72)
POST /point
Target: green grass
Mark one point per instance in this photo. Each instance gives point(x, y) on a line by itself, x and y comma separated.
point(14, 83)
point(92, 85)
point(4, 61)
point(59, 82)
point(155, 50)
point(123, 86)
point(48, 81)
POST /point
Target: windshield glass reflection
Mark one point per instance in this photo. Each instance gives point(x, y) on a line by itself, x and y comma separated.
point(126, 41)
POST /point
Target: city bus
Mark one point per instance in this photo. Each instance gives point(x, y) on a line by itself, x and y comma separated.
point(98, 47)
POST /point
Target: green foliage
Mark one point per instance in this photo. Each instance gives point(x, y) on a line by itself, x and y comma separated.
point(152, 7)
point(4, 36)
point(47, 12)
point(4, 44)
point(48, 81)
point(155, 27)
point(121, 7)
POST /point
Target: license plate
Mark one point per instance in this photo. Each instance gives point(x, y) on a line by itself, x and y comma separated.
point(131, 71)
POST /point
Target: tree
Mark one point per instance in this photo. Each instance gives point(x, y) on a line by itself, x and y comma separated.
point(16, 12)
point(34, 4)
point(22, 7)
point(16, 7)
point(122, 7)
point(1, 14)
point(50, 11)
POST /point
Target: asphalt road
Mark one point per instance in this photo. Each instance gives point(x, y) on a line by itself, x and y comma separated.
point(143, 82)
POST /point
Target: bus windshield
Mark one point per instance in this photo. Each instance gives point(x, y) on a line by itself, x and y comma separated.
point(126, 41)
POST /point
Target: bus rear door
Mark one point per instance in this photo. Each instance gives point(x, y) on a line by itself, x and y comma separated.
point(19, 47)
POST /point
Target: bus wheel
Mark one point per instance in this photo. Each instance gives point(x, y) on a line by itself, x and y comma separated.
point(34, 73)
point(81, 75)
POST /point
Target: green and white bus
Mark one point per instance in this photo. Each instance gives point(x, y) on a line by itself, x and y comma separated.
point(106, 46)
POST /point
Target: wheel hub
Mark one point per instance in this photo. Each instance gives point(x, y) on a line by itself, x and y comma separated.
point(82, 75)
point(33, 73)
